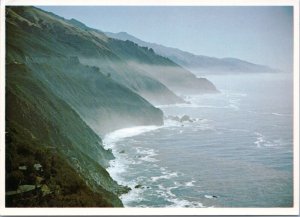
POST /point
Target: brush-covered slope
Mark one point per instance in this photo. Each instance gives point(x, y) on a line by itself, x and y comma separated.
point(101, 101)
point(71, 38)
point(198, 64)
point(52, 100)
point(43, 129)
point(175, 77)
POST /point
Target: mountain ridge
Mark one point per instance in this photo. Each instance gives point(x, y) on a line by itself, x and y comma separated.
point(52, 101)
point(199, 64)
point(67, 85)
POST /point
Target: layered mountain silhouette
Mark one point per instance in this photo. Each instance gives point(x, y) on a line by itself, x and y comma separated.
point(198, 64)
point(66, 86)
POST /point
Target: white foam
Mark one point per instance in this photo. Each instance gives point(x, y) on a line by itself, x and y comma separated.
point(273, 113)
point(259, 140)
point(179, 203)
point(146, 151)
point(262, 141)
point(115, 169)
point(166, 176)
point(134, 195)
point(149, 159)
point(166, 193)
point(148, 154)
point(205, 125)
point(121, 163)
point(279, 114)
point(190, 184)
point(210, 196)
point(118, 135)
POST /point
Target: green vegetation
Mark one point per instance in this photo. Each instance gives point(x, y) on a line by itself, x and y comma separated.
point(155, 64)
point(52, 100)
point(41, 128)
point(38, 31)
point(65, 187)
point(56, 108)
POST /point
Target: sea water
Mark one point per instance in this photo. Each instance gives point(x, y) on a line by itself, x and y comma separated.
point(237, 151)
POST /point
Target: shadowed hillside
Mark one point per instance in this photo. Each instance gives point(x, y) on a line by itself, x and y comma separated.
point(43, 129)
point(52, 101)
point(67, 85)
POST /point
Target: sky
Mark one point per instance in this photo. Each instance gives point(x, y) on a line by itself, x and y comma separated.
point(261, 34)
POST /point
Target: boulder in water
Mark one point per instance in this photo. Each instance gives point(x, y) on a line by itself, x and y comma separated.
point(185, 118)
point(138, 186)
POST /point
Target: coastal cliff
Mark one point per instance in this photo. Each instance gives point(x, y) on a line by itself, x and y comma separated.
point(67, 85)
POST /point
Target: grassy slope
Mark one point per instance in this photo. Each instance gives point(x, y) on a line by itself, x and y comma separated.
point(92, 46)
point(46, 53)
point(103, 103)
point(161, 68)
point(41, 127)
point(43, 87)
point(46, 88)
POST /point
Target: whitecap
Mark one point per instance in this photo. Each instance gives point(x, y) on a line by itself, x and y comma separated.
point(210, 196)
point(190, 184)
point(261, 141)
point(166, 176)
point(279, 114)
point(179, 203)
point(149, 159)
point(166, 193)
point(148, 154)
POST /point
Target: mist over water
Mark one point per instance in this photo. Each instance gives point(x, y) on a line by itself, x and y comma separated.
point(237, 152)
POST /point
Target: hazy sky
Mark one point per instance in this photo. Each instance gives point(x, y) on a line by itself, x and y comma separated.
point(261, 34)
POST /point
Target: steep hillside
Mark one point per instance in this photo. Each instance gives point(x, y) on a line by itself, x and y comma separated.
point(138, 68)
point(198, 64)
point(100, 100)
point(43, 129)
point(66, 84)
point(71, 38)
point(161, 68)
point(52, 100)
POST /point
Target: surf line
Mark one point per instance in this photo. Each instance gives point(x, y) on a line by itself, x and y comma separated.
point(118, 165)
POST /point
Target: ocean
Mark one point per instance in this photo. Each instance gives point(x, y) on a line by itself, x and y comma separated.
point(236, 150)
